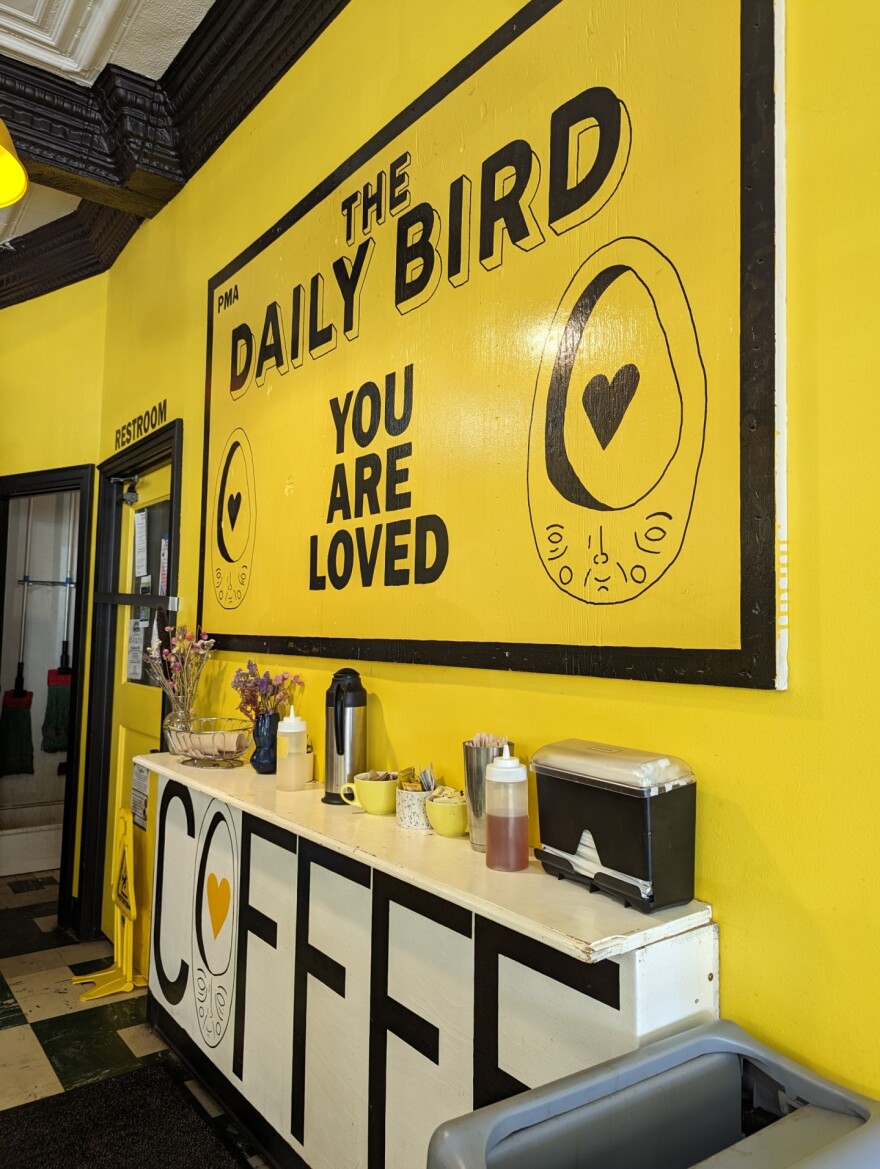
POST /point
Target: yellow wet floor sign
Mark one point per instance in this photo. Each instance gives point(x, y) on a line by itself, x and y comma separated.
point(121, 976)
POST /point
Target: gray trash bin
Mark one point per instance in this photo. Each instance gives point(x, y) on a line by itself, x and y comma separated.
point(712, 1097)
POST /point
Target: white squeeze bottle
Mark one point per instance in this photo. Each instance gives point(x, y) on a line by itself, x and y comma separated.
point(293, 770)
point(507, 813)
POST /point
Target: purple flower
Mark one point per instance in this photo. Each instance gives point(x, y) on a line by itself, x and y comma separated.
point(263, 693)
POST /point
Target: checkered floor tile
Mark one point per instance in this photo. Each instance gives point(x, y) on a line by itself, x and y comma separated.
point(51, 1041)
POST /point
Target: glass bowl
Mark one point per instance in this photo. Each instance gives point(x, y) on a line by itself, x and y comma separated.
point(211, 742)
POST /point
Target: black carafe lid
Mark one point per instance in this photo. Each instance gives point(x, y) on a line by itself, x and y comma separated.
point(348, 681)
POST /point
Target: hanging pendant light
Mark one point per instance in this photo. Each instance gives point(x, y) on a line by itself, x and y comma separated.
point(13, 177)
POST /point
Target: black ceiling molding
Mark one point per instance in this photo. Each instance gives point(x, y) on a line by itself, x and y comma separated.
point(79, 245)
point(112, 143)
point(126, 145)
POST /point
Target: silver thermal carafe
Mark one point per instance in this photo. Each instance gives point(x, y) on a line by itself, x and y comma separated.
point(345, 733)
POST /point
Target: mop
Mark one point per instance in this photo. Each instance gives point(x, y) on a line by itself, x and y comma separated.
point(57, 720)
point(16, 744)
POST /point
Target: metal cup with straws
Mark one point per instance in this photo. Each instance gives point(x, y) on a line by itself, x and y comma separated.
point(478, 752)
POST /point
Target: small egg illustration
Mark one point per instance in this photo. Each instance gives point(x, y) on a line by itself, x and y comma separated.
point(233, 521)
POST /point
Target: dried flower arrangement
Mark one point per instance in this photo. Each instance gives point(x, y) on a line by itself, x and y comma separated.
point(175, 662)
point(265, 693)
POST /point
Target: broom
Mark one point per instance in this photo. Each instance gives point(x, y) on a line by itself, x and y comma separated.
point(57, 719)
point(16, 744)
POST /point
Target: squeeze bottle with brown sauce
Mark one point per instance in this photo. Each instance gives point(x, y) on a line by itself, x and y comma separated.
point(507, 814)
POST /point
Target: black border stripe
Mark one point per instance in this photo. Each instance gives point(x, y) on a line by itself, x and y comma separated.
point(251, 920)
point(599, 981)
point(311, 962)
point(246, 1115)
point(437, 909)
point(173, 989)
point(758, 337)
point(206, 446)
point(753, 665)
point(387, 1015)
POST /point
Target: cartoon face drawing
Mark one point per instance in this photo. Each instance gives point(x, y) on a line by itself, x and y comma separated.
point(618, 426)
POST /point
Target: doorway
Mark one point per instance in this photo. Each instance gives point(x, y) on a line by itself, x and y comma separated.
point(144, 546)
point(45, 540)
point(136, 560)
point(35, 672)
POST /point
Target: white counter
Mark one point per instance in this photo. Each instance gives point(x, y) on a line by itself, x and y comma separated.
point(561, 914)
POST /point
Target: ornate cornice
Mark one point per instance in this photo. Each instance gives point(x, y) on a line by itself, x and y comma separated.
point(127, 144)
point(79, 245)
point(112, 143)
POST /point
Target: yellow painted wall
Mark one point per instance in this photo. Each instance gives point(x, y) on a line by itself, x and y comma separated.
point(789, 804)
point(51, 395)
point(52, 377)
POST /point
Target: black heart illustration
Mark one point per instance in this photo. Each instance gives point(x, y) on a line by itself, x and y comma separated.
point(233, 507)
point(606, 402)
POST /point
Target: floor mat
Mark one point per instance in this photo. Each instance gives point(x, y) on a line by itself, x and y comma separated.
point(146, 1118)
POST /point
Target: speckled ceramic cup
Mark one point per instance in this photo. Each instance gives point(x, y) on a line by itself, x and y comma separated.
point(411, 810)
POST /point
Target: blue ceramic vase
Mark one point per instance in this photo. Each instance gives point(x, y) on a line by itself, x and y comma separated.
point(265, 756)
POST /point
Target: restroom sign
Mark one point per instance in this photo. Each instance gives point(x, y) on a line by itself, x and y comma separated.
point(499, 391)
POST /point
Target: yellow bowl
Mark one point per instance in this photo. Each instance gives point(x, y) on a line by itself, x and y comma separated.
point(447, 819)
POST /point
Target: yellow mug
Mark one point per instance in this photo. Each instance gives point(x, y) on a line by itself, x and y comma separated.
point(376, 796)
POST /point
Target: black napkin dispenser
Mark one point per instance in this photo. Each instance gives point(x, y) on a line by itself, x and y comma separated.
point(618, 821)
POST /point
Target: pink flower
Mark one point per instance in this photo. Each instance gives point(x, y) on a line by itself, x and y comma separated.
point(177, 669)
point(263, 693)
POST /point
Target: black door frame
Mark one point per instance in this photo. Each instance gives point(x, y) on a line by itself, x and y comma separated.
point(82, 479)
point(163, 446)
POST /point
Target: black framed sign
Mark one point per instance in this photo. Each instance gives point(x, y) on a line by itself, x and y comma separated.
point(502, 390)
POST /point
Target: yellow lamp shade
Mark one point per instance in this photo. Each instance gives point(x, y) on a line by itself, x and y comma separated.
point(13, 177)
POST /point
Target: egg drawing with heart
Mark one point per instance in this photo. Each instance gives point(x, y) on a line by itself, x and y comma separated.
point(617, 427)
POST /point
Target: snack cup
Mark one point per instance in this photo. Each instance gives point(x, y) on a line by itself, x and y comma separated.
point(411, 810)
point(447, 819)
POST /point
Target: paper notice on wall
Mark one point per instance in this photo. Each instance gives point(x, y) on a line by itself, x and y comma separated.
point(163, 568)
point(140, 786)
point(135, 667)
point(140, 543)
point(145, 588)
